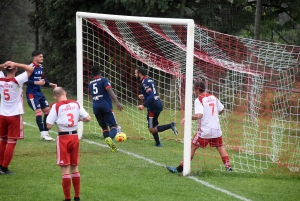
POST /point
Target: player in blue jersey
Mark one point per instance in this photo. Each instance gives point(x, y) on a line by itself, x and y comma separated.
point(103, 94)
point(35, 98)
point(153, 104)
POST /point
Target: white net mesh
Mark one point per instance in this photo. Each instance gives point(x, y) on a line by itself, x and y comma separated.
point(258, 82)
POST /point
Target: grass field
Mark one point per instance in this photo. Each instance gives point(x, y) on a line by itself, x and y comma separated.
point(136, 172)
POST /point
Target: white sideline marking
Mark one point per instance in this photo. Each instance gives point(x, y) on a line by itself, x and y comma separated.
point(159, 164)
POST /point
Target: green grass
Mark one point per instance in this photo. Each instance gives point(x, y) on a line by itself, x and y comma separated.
point(135, 172)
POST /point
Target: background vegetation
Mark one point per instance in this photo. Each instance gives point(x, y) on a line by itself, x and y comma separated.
point(49, 25)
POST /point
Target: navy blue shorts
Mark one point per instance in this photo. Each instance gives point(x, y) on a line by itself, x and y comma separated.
point(37, 101)
point(106, 119)
point(152, 119)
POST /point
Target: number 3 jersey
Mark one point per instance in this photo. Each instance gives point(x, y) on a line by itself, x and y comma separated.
point(66, 114)
point(101, 100)
point(209, 124)
point(11, 90)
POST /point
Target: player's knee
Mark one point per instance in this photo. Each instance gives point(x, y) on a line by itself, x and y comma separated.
point(152, 130)
point(38, 112)
point(46, 111)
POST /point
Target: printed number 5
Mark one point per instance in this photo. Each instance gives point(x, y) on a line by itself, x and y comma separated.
point(6, 94)
point(70, 119)
point(212, 109)
point(95, 89)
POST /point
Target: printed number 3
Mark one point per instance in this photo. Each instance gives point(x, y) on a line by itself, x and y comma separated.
point(70, 119)
point(6, 94)
point(212, 109)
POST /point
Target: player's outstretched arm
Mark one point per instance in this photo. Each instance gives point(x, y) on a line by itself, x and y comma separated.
point(12, 65)
point(114, 98)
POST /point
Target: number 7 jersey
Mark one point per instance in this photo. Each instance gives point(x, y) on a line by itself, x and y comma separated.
point(209, 125)
point(11, 90)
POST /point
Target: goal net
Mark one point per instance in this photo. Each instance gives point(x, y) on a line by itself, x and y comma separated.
point(258, 83)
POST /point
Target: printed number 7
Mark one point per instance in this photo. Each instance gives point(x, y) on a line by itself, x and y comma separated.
point(212, 109)
point(70, 119)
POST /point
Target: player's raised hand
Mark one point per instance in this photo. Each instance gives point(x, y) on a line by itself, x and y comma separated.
point(119, 106)
point(9, 65)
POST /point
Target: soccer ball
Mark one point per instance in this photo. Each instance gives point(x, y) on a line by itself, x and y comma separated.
point(121, 137)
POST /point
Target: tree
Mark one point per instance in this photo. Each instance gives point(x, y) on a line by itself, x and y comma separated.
point(56, 22)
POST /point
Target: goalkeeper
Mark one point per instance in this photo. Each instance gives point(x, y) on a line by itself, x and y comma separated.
point(153, 104)
point(207, 110)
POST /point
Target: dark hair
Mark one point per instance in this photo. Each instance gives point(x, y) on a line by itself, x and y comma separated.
point(200, 85)
point(8, 69)
point(96, 70)
point(36, 53)
point(141, 70)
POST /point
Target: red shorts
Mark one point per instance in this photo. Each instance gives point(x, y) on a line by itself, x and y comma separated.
point(203, 142)
point(67, 150)
point(11, 127)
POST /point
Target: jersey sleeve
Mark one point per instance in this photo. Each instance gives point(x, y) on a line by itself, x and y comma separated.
point(1, 74)
point(22, 78)
point(107, 84)
point(82, 112)
point(52, 115)
point(220, 105)
point(198, 107)
point(147, 87)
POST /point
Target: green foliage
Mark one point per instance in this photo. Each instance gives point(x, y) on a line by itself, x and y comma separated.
point(56, 21)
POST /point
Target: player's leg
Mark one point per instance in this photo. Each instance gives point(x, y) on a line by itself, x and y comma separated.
point(15, 131)
point(46, 109)
point(101, 122)
point(195, 144)
point(161, 128)
point(74, 167)
point(66, 181)
point(152, 119)
point(3, 137)
point(63, 160)
point(101, 118)
point(33, 102)
point(110, 120)
point(218, 143)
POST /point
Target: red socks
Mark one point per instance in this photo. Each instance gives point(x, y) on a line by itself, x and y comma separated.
point(76, 183)
point(66, 184)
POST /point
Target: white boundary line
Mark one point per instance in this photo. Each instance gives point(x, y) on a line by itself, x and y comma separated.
point(159, 164)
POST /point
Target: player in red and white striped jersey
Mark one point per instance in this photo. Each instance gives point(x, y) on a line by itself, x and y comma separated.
point(11, 110)
point(207, 110)
point(66, 114)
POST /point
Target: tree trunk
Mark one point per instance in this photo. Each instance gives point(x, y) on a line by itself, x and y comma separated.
point(258, 14)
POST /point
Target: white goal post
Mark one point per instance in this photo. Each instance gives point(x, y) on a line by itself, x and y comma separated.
point(189, 23)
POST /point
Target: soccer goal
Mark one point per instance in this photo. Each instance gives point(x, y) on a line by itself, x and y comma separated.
point(258, 82)
point(122, 43)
